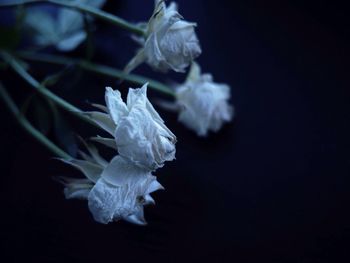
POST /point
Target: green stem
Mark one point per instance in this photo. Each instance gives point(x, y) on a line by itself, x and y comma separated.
point(83, 8)
point(19, 69)
point(25, 124)
point(99, 69)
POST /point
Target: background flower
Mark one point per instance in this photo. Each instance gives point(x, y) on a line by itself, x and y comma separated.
point(203, 104)
point(65, 31)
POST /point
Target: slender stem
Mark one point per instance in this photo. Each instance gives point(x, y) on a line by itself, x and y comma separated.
point(83, 8)
point(99, 69)
point(25, 124)
point(17, 67)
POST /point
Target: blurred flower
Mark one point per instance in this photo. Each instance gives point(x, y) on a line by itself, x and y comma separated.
point(140, 133)
point(170, 41)
point(203, 104)
point(65, 31)
point(115, 191)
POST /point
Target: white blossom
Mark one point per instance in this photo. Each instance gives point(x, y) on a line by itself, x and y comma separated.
point(203, 104)
point(122, 192)
point(139, 132)
point(65, 31)
point(117, 190)
point(170, 42)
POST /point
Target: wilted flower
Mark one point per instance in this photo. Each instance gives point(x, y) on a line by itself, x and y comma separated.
point(122, 192)
point(203, 104)
point(140, 133)
point(115, 191)
point(170, 41)
point(65, 31)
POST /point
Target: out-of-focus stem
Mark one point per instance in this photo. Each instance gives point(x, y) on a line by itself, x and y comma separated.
point(26, 125)
point(99, 69)
point(20, 70)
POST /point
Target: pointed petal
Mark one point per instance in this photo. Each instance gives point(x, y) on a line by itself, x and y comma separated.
point(116, 107)
point(195, 72)
point(100, 107)
point(137, 219)
point(154, 186)
point(136, 96)
point(149, 200)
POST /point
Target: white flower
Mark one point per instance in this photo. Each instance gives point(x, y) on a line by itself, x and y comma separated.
point(122, 192)
point(140, 133)
point(170, 42)
point(115, 191)
point(65, 32)
point(203, 104)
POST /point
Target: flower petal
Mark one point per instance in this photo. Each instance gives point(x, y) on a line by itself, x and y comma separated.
point(116, 107)
point(120, 171)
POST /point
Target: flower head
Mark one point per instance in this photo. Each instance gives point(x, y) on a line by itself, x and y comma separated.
point(140, 133)
point(203, 104)
point(170, 42)
point(65, 31)
point(112, 200)
point(117, 190)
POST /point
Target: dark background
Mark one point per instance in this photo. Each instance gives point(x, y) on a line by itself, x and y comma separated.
point(273, 186)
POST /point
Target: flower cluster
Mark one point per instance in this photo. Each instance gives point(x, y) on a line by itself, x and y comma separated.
point(120, 188)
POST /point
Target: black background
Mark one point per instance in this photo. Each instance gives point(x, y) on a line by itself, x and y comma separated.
point(272, 186)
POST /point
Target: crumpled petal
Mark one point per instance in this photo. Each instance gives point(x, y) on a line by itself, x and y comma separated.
point(120, 171)
point(112, 203)
point(115, 105)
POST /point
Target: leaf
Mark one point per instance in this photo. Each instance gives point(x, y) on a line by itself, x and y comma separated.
point(103, 120)
point(90, 170)
point(105, 141)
